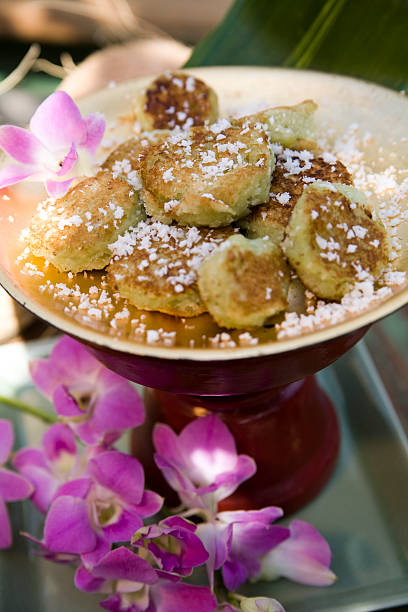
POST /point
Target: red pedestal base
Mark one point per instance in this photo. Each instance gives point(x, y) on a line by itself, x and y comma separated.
point(292, 433)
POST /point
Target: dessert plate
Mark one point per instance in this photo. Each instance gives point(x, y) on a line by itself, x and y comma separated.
point(369, 126)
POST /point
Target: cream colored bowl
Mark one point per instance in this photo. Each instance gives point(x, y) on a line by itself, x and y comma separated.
point(381, 116)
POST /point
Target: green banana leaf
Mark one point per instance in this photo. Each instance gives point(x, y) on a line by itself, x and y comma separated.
point(361, 38)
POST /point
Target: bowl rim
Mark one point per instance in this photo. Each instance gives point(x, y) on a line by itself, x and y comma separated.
point(114, 343)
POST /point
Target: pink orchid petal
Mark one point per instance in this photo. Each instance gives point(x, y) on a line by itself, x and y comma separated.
point(79, 487)
point(95, 125)
point(73, 359)
point(68, 162)
point(265, 515)
point(149, 505)
point(6, 440)
point(174, 477)
point(44, 483)
point(124, 528)
point(13, 173)
point(303, 557)
point(57, 122)
point(228, 482)
point(208, 449)
point(173, 597)
point(178, 522)
point(85, 581)
point(122, 564)
point(13, 486)
point(92, 558)
point(86, 433)
point(29, 456)
point(65, 404)
point(57, 189)
point(24, 147)
point(120, 473)
point(119, 405)
point(5, 529)
point(217, 542)
point(57, 439)
point(67, 527)
point(166, 443)
point(234, 574)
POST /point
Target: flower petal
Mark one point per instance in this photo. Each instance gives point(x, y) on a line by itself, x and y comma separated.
point(234, 574)
point(95, 125)
point(57, 122)
point(92, 558)
point(67, 527)
point(13, 486)
point(303, 557)
point(122, 564)
point(6, 440)
point(120, 473)
point(29, 456)
point(166, 443)
point(265, 515)
point(150, 503)
point(227, 482)
point(5, 529)
point(57, 189)
point(217, 541)
point(57, 439)
point(44, 483)
point(124, 528)
point(76, 488)
point(208, 449)
point(173, 597)
point(13, 173)
point(24, 147)
point(69, 161)
point(87, 582)
point(118, 406)
point(65, 404)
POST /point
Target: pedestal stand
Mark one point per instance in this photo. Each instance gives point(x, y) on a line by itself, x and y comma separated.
point(291, 431)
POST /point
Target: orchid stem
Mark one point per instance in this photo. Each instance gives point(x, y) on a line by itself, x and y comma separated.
point(39, 413)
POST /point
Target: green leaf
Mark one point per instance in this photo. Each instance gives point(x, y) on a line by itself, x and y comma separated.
point(362, 38)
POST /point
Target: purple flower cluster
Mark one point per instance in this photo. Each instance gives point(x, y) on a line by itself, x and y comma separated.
point(95, 502)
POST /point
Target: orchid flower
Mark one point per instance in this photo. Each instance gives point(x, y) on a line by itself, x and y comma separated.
point(173, 545)
point(103, 507)
point(95, 402)
point(237, 540)
point(303, 557)
point(137, 587)
point(59, 146)
point(47, 468)
point(13, 487)
point(201, 463)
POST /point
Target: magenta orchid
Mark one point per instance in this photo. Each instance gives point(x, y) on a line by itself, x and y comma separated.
point(173, 545)
point(303, 557)
point(202, 463)
point(59, 146)
point(95, 502)
point(95, 402)
point(13, 487)
point(237, 540)
point(47, 468)
point(104, 507)
point(137, 587)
